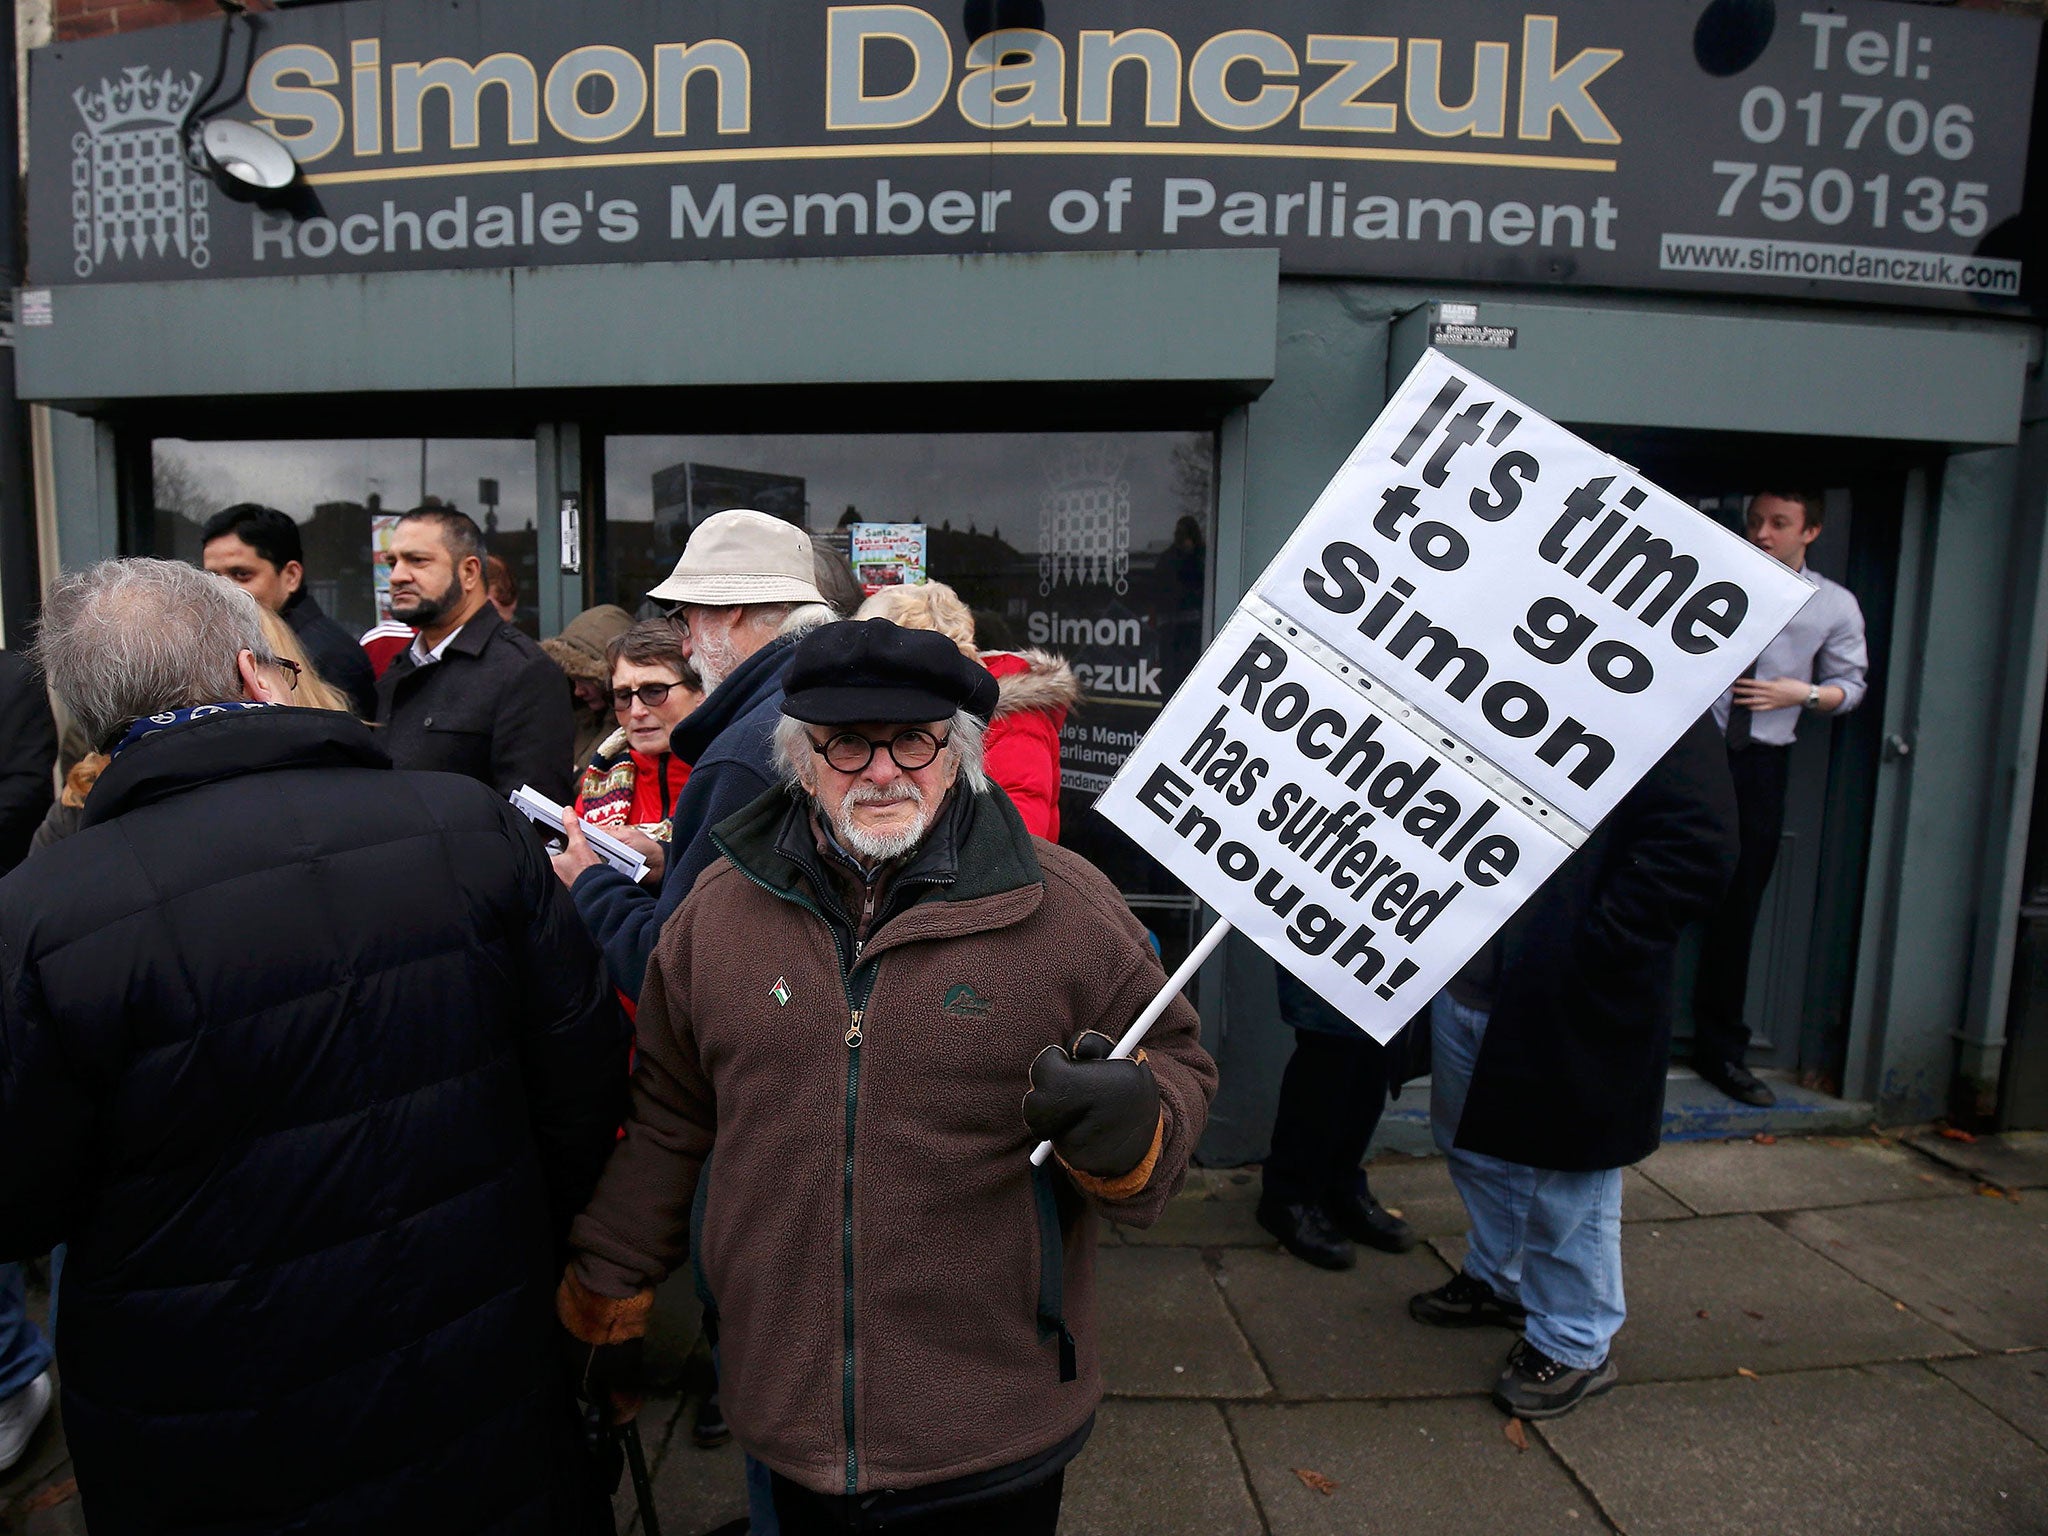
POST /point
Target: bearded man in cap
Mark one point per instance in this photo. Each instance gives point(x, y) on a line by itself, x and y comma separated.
point(905, 1306)
point(743, 591)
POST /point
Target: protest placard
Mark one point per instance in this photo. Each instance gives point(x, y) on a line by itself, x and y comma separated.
point(1537, 598)
point(1483, 633)
point(1367, 860)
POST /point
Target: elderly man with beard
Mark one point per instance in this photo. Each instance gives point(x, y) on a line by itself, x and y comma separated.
point(743, 591)
point(923, 990)
point(472, 694)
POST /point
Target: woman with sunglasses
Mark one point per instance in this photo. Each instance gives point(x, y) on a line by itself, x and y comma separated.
point(633, 779)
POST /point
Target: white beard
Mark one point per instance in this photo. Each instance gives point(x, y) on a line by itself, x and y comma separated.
point(880, 846)
point(714, 659)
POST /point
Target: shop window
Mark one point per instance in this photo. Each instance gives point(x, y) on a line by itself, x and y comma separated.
point(342, 493)
point(1091, 545)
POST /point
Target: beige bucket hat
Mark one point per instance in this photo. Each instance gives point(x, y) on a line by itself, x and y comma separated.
point(743, 556)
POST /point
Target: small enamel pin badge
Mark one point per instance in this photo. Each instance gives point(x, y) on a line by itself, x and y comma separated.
point(780, 991)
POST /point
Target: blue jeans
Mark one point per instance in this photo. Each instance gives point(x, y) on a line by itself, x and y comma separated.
point(1550, 1240)
point(24, 1354)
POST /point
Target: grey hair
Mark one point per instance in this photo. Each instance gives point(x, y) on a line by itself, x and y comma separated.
point(964, 740)
point(792, 618)
point(123, 639)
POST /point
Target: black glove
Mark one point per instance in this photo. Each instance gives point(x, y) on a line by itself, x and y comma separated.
point(1100, 1115)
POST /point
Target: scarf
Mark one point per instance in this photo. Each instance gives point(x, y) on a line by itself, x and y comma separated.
point(137, 729)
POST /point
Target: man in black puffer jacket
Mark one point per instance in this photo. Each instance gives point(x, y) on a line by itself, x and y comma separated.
point(310, 1062)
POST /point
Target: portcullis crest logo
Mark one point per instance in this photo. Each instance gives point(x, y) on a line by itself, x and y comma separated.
point(962, 1001)
point(132, 193)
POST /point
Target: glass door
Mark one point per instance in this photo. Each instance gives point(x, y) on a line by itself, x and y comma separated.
point(1091, 545)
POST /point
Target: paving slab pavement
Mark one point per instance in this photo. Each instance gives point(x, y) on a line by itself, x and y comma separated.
point(1444, 1467)
point(1816, 1446)
point(1886, 1450)
point(1158, 1469)
point(1716, 1178)
point(1164, 1330)
point(1771, 1304)
point(1348, 1334)
point(694, 1490)
point(2015, 1387)
point(1721, 1294)
point(1216, 1209)
point(1973, 1265)
point(2016, 1160)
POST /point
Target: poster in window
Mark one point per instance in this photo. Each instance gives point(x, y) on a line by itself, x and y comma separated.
point(887, 555)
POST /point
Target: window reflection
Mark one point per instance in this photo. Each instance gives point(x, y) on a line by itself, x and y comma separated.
point(336, 489)
point(1093, 545)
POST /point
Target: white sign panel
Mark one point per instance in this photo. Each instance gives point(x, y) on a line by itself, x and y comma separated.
point(1482, 635)
point(1537, 598)
point(1368, 862)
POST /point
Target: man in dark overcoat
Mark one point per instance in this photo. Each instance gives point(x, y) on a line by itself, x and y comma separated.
point(471, 694)
point(310, 1063)
point(1549, 1054)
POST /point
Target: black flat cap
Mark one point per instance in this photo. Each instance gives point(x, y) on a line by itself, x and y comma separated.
point(869, 670)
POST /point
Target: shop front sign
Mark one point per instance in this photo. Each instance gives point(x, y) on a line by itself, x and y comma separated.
point(1867, 151)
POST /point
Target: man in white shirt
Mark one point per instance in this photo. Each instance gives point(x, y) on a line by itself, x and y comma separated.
point(1816, 664)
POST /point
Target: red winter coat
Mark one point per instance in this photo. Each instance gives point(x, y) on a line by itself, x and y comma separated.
point(1023, 741)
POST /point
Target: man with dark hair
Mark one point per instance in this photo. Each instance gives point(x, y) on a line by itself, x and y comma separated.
point(1816, 664)
point(472, 694)
point(259, 550)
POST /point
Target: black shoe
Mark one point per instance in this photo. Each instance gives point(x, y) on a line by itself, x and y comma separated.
point(1364, 1220)
point(1462, 1302)
point(708, 1429)
point(1534, 1386)
point(1737, 1081)
point(1305, 1232)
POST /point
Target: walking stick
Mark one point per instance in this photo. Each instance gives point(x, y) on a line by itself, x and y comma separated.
point(628, 1435)
point(1144, 1021)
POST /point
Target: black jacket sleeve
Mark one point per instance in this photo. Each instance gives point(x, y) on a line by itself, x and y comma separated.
point(573, 1037)
point(28, 754)
point(1674, 855)
point(45, 1121)
point(348, 668)
point(534, 732)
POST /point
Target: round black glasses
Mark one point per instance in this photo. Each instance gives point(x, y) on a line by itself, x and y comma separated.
point(850, 752)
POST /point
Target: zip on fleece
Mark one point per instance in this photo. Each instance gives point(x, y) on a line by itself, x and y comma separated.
point(858, 992)
point(856, 1010)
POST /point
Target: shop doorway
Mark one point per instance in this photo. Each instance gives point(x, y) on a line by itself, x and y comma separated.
point(1803, 961)
point(1093, 545)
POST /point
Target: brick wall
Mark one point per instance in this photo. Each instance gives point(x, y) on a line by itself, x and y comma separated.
point(91, 18)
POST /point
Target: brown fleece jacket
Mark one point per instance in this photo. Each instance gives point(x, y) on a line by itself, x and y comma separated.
point(891, 1177)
